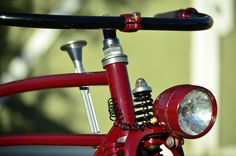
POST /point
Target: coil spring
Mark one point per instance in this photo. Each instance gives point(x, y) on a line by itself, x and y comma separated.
point(114, 110)
point(117, 116)
point(143, 108)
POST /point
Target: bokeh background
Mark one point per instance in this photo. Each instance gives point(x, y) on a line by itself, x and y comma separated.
point(163, 58)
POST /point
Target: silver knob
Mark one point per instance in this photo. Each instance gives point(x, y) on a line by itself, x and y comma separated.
point(141, 85)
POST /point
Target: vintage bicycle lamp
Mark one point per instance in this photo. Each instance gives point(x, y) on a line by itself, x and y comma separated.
point(186, 111)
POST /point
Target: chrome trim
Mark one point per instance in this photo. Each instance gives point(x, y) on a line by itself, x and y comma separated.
point(113, 52)
point(74, 49)
point(141, 86)
point(114, 59)
point(122, 139)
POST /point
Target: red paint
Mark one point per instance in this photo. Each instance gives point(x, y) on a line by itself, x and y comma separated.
point(166, 109)
point(52, 139)
point(109, 142)
point(53, 81)
point(120, 90)
point(134, 139)
point(132, 23)
point(186, 13)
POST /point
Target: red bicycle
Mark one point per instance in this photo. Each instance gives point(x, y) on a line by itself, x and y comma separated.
point(141, 125)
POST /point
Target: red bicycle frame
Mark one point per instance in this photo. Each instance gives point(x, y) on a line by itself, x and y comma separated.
point(54, 81)
point(116, 77)
point(126, 136)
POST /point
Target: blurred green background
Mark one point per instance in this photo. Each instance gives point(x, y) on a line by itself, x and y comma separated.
point(161, 57)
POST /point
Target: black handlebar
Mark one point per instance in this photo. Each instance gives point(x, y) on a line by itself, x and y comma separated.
point(188, 20)
point(60, 21)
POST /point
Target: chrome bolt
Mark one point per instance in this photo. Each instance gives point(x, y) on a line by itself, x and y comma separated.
point(122, 139)
point(141, 85)
point(170, 142)
point(136, 15)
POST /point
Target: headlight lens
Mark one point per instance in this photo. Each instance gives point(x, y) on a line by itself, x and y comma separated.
point(186, 111)
point(194, 113)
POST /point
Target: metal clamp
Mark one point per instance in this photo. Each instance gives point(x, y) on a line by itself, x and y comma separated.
point(132, 22)
point(113, 52)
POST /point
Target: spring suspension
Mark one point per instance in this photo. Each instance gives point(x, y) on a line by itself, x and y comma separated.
point(143, 103)
point(117, 117)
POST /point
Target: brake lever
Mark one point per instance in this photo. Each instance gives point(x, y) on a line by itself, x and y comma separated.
point(181, 13)
point(180, 20)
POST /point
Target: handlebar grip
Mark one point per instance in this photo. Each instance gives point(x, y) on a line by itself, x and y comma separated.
point(180, 24)
point(183, 19)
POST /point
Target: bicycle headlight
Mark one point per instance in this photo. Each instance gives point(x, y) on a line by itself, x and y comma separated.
point(186, 111)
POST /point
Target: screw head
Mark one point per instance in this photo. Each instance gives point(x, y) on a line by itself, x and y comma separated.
point(170, 142)
point(136, 14)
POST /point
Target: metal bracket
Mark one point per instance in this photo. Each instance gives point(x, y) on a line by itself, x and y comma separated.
point(132, 22)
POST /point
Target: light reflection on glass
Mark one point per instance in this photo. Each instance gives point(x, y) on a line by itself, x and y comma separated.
point(194, 112)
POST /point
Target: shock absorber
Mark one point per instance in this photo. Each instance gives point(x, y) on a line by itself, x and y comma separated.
point(143, 103)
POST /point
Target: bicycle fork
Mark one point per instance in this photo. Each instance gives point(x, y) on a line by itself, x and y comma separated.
point(74, 49)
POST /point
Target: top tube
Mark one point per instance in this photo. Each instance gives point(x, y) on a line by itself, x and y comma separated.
point(180, 20)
